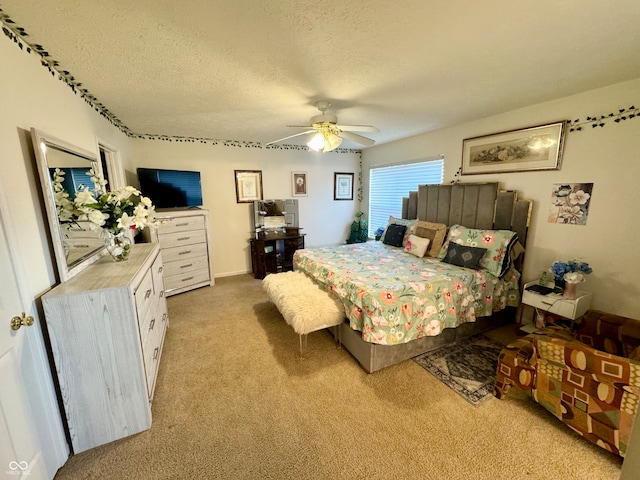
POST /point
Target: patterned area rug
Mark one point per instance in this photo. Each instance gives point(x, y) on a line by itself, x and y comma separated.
point(468, 367)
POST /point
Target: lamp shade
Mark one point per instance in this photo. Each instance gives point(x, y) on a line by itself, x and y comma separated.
point(324, 140)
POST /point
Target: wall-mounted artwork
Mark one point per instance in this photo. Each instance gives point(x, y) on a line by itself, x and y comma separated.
point(570, 203)
point(299, 184)
point(527, 149)
point(248, 185)
point(342, 186)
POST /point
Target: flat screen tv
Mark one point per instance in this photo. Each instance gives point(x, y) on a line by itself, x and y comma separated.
point(171, 188)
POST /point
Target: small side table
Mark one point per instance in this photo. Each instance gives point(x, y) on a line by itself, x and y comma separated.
point(556, 304)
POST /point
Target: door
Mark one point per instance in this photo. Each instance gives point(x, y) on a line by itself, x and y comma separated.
point(32, 441)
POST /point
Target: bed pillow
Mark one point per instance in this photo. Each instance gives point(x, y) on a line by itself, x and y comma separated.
point(410, 224)
point(498, 243)
point(394, 235)
point(435, 232)
point(464, 256)
point(416, 245)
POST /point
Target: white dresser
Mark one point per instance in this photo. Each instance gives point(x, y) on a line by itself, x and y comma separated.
point(183, 236)
point(107, 326)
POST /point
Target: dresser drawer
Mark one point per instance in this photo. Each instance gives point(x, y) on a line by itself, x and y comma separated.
point(178, 239)
point(174, 282)
point(152, 349)
point(184, 252)
point(144, 295)
point(181, 224)
point(186, 265)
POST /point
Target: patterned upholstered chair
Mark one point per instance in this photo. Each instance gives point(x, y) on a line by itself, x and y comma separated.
point(589, 379)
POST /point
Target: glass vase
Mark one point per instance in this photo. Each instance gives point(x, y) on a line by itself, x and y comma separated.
point(118, 245)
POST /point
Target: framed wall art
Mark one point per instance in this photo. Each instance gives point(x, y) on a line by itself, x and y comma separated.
point(248, 185)
point(527, 149)
point(342, 186)
point(299, 184)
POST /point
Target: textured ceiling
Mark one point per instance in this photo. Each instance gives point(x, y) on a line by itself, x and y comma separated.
point(242, 70)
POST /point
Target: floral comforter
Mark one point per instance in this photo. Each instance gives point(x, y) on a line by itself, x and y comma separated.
point(394, 297)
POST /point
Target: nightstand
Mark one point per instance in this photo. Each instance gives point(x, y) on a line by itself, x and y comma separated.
point(554, 303)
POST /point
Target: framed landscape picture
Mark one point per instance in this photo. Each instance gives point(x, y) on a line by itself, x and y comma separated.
point(527, 149)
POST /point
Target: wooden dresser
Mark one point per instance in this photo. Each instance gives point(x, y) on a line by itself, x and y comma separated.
point(184, 239)
point(273, 253)
point(107, 326)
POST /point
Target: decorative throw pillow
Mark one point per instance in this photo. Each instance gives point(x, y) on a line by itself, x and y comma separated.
point(394, 235)
point(416, 246)
point(410, 224)
point(435, 232)
point(498, 244)
point(464, 256)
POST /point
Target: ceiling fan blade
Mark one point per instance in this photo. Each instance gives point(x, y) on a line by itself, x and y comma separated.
point(357, 128)
point(290, 136)
point(367, 142)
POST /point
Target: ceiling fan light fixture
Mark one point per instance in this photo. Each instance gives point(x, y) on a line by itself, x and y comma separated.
point(324, 141)
point(316, 143)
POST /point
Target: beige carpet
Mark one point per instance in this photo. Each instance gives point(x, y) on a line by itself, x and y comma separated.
point(235, 401)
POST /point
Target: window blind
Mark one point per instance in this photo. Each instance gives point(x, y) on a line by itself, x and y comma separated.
point(389, 184)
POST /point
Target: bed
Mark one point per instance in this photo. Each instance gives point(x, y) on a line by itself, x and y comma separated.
point(398, 304)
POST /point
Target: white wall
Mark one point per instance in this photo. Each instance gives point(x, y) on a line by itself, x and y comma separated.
point(323, 220)
point(31, 97)
point(608, 156)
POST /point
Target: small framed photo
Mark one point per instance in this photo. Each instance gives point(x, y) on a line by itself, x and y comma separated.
point(299, 184)
point(342, 186)
point(248, 185)
point(528, 149)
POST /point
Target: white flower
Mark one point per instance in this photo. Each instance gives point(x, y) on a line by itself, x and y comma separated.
point(125, 222)
point(84, 197)
point(578, 198)
point(573, 277)
point(96, 217)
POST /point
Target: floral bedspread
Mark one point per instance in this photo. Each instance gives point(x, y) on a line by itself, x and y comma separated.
point(394, 297)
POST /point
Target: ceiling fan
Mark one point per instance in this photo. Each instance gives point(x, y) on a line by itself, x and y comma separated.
point(327, 133)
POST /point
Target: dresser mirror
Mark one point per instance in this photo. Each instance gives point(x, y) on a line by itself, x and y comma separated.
point(75, 245)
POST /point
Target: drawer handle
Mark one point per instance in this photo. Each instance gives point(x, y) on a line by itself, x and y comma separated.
point(147, 294)
point(164, 317)
point(161, 269)
point(81, 246)
point(152, 323)
point(547, 304)
point(183, 238)
point(182, 224)
point(186, 265)
point(155, 353)
point(187, 279)
point(185, 252)
point(162, 294)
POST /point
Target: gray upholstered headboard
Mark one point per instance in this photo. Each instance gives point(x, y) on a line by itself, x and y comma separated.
point(473, 205)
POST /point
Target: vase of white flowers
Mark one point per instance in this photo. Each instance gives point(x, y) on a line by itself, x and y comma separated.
point(567, 275)
point(114, 215)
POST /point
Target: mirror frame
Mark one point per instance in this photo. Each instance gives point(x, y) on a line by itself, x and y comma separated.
point(39, 138)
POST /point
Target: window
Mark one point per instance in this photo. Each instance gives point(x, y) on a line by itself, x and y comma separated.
point(389, 184)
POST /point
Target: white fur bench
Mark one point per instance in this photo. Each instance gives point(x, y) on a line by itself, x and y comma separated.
point(303, 304)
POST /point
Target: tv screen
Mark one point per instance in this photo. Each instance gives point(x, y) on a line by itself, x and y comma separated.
point(171, 188)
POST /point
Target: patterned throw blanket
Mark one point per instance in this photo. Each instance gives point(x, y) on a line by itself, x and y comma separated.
point(394, 297)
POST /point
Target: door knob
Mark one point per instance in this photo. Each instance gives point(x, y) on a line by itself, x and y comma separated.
point(17, 322)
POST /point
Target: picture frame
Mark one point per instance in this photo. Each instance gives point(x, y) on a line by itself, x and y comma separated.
point(342, 186)
point(299, 184)
point(526, 149)
point(248, 185)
